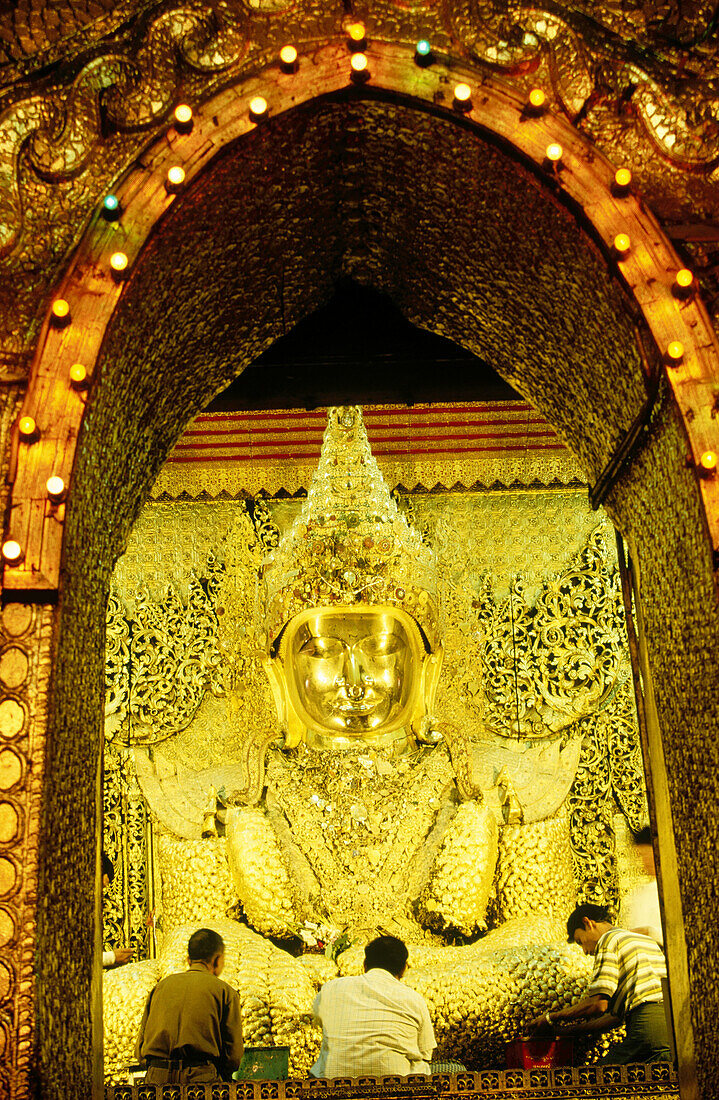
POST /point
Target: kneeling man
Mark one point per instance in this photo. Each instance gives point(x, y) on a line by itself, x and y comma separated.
point(625, 988)
point(191, 1029)
point(372, 1023)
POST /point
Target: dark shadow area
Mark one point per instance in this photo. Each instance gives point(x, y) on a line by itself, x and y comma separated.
point(359, 349)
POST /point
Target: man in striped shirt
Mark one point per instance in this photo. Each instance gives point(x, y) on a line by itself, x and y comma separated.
point(625, 988)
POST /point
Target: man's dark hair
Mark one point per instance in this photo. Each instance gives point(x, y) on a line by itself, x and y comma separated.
point(204, 944)
point(644, 836)
point(598, 913)
point(107, 868)
point(386, 953)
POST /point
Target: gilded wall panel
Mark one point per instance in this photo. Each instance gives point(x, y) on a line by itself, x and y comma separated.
point(25, 635)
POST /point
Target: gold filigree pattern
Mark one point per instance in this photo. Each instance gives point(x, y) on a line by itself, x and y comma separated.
point(610, 772)
point(173, 659)
point(548, 664)
point(124, 838)
point(62, 131)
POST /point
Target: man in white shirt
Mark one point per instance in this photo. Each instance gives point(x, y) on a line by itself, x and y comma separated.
point(372, 1023)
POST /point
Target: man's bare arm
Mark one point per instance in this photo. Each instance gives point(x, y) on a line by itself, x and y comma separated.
point(587, 1008)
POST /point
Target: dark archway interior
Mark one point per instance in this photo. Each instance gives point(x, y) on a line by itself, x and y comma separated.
point(466, 244)
point(359, 349)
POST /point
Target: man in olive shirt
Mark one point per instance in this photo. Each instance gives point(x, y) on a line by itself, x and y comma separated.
point(191, 1029)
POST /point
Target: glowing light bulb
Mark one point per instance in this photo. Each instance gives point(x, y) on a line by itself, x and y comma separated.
point(27, 427)
point(356, 32)
point(537, 99)
point(288, 56)
point(684, 284)
point(175, 177)
point(622, 244)
point(462, 93)
point(78, 375)
point(554, 152)
point(359, 63)
point(183, 114)
point(12, 552)
point(675, 352)
point(258, 107)
point(60, 311)
point(118, 263)
point(55, 488)
point(622, 178)
point(708, 462)
point(111, 208)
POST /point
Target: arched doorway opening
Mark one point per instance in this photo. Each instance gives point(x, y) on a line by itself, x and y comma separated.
point(275, 221)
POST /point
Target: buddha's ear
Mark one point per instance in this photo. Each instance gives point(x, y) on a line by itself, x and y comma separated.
point(278, 684)
point(431, 668)
point(290, 724)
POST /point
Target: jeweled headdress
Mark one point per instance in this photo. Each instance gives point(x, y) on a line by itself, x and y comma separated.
point(350, 544)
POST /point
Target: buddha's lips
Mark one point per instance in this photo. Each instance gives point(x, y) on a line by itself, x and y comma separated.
point(360, 707)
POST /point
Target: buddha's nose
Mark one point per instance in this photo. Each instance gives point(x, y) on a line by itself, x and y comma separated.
point(353, 676)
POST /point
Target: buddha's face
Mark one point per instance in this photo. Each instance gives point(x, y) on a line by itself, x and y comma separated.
point(352, 672)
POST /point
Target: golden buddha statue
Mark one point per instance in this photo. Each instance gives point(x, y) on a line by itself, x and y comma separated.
point(376, 808)
point(372, 814)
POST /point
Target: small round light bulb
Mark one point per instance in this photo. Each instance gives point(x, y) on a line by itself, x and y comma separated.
point(78, 375)
point(622, 245)
point(27, 428)
point(111, 208)
point(462, 97)
point(356, 32)
point(359, 62)
point(118, 263)
point(60, 312)
point(554, 152)
point(183, 114)
point(684, 284)
point(622, 178)
point(536, 99)
point(708, 462)
point(258, 107)
point(55, 489)
point(11, 552)
point(288, 56)
point(175, 177)
point(675, 352)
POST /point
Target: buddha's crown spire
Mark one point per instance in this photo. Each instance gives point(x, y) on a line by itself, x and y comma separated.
point(350, 544)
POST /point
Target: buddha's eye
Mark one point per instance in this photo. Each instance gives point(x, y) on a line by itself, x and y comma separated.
point(322, 648)
point(381, 645)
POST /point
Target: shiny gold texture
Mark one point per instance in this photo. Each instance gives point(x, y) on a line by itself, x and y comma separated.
point(437, 802)
point(353, 673)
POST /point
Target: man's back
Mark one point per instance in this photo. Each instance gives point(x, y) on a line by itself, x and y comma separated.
point(192, 1015)
point(372, 1024)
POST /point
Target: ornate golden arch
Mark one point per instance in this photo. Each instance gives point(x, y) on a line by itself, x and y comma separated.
point(57, 404)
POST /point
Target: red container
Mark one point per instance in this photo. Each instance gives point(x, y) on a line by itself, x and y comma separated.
point(547, 1053)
